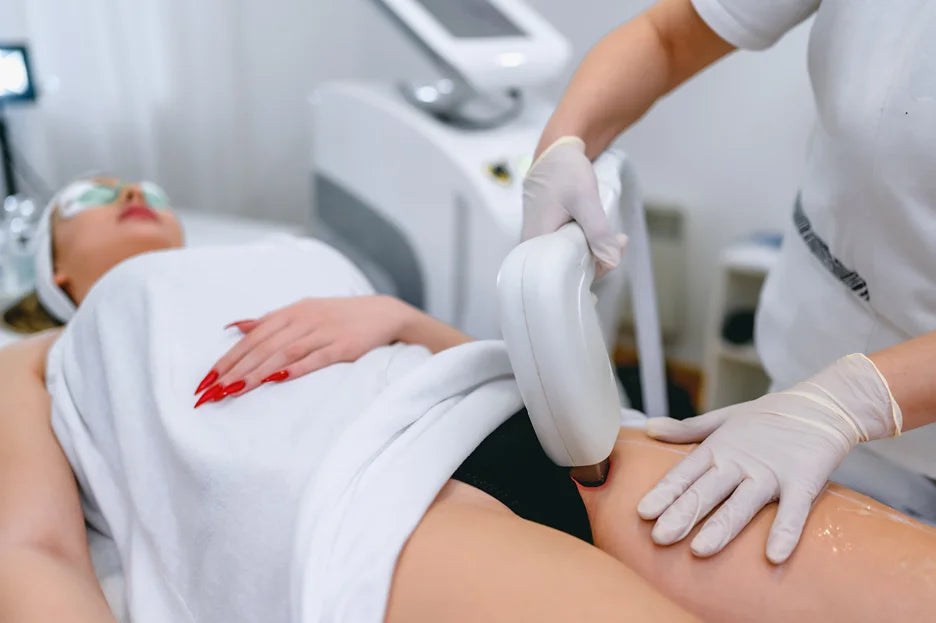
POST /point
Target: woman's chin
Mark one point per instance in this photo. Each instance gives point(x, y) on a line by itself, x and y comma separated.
point(143, 236)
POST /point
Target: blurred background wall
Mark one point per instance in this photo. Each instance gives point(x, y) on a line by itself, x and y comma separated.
point(210, 98)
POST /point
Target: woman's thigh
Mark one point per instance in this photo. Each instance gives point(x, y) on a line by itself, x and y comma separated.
point(857, 560)
point(471, 559)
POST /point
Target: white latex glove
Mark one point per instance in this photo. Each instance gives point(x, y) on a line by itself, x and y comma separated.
point(782, 445)
point(560, 187)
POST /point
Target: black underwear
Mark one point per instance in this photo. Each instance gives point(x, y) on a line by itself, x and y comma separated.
point(510, 465)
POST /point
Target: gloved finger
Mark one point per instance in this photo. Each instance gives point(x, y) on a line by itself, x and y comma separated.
point(788, 525)
point(601, 239)
point(583, 202)
point(674, 484)
point(606, 261)
point(689, 430)
point(732, 517)
point(698, 501)
point(603, 268)
point(607, 250)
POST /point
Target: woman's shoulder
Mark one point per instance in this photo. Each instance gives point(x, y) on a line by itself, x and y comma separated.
point(27, 356)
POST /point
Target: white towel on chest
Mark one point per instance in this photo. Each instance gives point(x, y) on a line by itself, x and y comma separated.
point(290, 503)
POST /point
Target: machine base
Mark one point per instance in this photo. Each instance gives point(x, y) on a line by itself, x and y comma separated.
point(591, 475)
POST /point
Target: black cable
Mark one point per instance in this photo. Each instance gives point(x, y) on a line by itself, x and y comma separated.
point(18, 164)
point(9, 180)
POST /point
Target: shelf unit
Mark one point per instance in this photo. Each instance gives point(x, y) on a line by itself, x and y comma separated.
point(733, 373)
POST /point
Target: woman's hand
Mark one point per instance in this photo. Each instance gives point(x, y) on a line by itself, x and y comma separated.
point(304, 337)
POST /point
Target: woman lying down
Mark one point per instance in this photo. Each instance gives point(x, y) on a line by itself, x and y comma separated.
point(335, 469)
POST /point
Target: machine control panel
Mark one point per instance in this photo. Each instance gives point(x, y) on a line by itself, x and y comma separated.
point(489, 44)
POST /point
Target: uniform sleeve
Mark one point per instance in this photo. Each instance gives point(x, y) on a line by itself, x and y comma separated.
point(753, 24)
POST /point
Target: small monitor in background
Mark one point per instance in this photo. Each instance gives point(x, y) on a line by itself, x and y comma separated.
point(16, 82)
point(491, 45)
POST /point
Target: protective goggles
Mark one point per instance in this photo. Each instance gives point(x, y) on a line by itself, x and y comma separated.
point(84, 194)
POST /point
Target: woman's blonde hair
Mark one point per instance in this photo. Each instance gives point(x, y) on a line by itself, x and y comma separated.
point(29, 316)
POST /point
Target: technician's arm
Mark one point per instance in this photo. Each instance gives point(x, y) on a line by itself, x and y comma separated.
point(629, 70)
point(910, 368)
point(45, 567)
point(617, 82)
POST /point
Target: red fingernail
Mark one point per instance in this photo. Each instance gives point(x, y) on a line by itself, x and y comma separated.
point(210, 394)
point(276, 377)
point(233, 388)
point(208, 380)
point(236, 323)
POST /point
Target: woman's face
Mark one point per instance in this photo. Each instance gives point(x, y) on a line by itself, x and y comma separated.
point(107, 223)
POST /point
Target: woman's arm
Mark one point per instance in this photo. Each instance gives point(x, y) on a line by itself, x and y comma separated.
point(628, 70)
point(616, 83)
point(417, 327)
point(45, 567)
point(857, 561)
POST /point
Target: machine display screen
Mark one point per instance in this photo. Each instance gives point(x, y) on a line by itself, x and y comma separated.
point(471, 18)
point(15, 78)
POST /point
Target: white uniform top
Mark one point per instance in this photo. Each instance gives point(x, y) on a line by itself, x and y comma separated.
point(858, 266)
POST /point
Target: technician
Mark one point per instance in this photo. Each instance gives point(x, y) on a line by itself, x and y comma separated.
point(856, 273)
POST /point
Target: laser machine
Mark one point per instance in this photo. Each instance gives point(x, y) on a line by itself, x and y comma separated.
point(421, 183)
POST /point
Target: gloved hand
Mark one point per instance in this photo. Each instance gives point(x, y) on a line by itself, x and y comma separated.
point(782, 445)
point(560, 187)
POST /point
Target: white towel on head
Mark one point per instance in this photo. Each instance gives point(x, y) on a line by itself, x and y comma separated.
point(290, 503)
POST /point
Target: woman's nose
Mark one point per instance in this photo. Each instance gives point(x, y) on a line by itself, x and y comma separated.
point(131, 194)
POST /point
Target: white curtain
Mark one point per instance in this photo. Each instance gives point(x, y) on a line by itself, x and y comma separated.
point(207, 97)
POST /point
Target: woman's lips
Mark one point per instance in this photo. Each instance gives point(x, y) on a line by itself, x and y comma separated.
point(138, 212)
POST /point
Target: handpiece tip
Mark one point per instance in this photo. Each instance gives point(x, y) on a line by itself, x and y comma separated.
point(591, 475)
